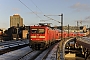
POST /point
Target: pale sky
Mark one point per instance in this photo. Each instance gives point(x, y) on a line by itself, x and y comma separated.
point(32, 11)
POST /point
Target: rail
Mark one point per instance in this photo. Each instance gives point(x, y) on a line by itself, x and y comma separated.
point(11, 46)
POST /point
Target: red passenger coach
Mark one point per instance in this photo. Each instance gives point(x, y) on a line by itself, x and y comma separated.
point(65, 34)
point(41, 36)
point(71, 34)
point(57, 35)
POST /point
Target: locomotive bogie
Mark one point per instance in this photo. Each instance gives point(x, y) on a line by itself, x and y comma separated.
point(37, 44)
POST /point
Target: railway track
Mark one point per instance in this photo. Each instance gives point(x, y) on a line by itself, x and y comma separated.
point(27, 53)
point(30, 56)
point(8, 46)
point(49, 53)
point(37, 54)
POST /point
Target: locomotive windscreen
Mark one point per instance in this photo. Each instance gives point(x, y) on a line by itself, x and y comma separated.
point(39, 31)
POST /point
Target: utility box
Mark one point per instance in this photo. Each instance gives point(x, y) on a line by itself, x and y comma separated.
point(24, 34)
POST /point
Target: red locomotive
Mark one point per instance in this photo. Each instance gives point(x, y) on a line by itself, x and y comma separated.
point(42, 36)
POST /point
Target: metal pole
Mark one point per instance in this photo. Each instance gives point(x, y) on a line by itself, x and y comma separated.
point(89, 30)
point(77, 28)
point(61, 26)
point(61, 42)
point(68, 30)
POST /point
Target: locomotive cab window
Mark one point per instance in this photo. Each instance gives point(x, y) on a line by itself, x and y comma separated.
point(34, 30)
point(41, 31)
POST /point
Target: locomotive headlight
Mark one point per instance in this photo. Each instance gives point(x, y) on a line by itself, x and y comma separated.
point(33, 36)
point(41, 36)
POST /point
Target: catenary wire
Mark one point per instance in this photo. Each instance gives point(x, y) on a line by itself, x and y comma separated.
point(36, 6)
point(29, 8)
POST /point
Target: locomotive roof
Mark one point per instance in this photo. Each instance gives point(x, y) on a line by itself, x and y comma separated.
point(39, 26)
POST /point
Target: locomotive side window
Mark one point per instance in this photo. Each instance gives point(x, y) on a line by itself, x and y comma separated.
point(34, 30)
point(41, 31)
